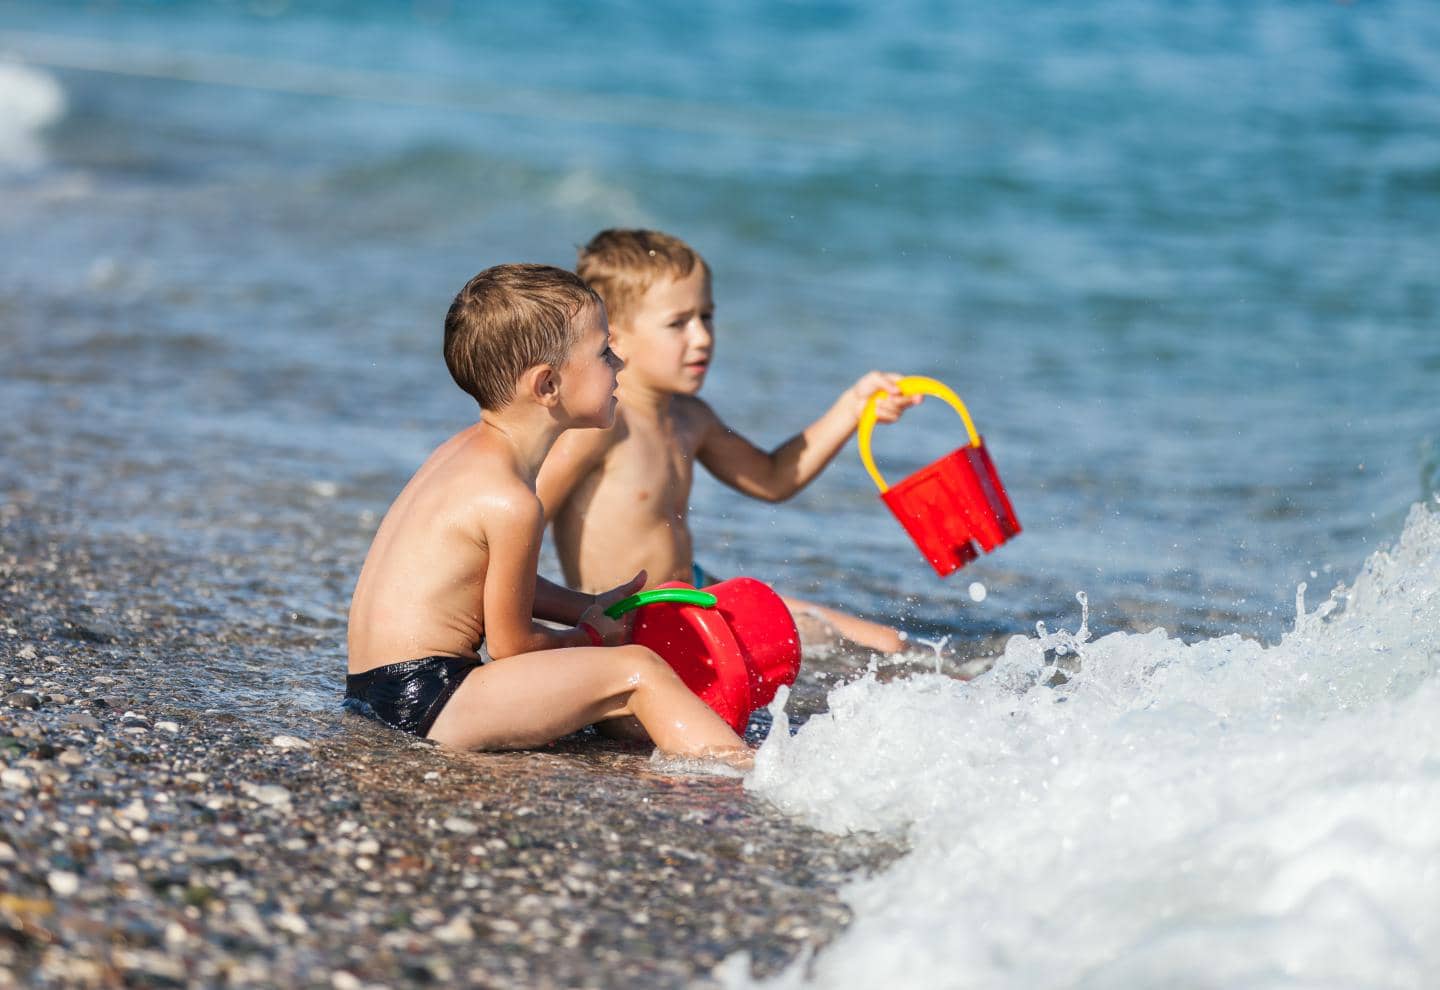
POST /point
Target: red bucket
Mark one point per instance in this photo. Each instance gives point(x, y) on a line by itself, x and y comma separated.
point(734, 654)
point(765, 631)
point(954, 507)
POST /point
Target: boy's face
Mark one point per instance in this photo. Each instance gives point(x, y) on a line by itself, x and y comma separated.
point(669, 338)
point(588, 375)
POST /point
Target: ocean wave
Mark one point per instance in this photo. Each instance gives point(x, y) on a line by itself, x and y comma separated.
point(1139, 811)
point(30, 101)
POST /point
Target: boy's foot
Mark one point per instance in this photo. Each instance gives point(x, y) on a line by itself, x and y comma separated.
point(828, 625)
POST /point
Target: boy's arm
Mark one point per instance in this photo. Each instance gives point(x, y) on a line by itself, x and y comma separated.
point(514, 527)
point(575, 455)
point(779, 474)
point(557, 603)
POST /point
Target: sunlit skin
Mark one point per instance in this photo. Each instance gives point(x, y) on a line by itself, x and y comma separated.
point(454, 562)
point(619, 498)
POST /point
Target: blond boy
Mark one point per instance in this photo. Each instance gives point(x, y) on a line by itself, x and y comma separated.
point(619, 498)
point(452, 566)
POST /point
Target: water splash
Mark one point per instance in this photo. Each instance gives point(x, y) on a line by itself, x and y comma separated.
point(1220, 813)
point(936, 645)
point(30, 101)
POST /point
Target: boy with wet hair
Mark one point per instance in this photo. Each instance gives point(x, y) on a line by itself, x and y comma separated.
point(452, 567)
point(619, 498)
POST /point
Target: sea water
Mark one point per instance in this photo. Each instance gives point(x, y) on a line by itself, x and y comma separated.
point(1221, 813)
point(1178, 258)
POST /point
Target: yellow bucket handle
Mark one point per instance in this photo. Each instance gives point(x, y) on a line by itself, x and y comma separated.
point(911, 385)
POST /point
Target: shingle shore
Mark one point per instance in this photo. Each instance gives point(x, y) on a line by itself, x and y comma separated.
point(147, 842)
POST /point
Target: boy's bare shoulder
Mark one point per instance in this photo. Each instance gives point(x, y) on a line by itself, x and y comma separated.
point(474, 488)
point(693, 410)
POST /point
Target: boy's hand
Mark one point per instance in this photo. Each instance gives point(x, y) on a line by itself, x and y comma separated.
point(891, 406)
point(612, 632)
point(621, 591)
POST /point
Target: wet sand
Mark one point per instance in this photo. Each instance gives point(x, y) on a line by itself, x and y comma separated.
point(150, 839)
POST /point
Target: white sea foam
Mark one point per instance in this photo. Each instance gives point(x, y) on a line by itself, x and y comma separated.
point(30, 101)
point(1215, 814)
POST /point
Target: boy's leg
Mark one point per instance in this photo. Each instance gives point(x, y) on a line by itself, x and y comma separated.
point(628, 728)
point(536, 698)
point(871, 635)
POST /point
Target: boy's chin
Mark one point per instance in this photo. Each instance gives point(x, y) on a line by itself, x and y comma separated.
point(604, 420)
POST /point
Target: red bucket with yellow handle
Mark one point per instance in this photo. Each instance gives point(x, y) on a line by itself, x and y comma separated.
point(952, 506)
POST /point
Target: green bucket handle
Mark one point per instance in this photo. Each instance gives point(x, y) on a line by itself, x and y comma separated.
point(679, 596)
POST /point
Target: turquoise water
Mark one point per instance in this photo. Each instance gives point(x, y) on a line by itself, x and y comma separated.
point(1179, 258)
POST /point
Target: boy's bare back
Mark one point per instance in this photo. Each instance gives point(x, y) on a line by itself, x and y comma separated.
point(419, 593)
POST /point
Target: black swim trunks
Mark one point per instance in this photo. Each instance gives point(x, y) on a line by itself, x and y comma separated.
point(409, 695)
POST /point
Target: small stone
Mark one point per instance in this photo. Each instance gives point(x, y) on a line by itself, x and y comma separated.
point(27, 653)
point(170, 727)
point(287, 921)
point(7, 853)
point(23, 699)
point(367, 847)
point(272, 795)
point(457, 930)
point(70, 758)
point(461, 826)
point(135, 811)
point(130, 719)
point(16, 779)
point(289, 742)
point(341, 980)
point(63, 882)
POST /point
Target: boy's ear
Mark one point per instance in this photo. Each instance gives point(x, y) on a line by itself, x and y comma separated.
point(542, 384)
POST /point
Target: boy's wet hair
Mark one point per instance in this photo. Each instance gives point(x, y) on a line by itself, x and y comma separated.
point(510, 318)
point(622, 264)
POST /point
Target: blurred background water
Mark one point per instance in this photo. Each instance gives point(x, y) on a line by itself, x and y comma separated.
point(1179, 258)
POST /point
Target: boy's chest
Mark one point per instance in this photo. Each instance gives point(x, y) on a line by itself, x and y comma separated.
point(655, 467)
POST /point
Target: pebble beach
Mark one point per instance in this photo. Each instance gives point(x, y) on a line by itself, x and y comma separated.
point(147, 843)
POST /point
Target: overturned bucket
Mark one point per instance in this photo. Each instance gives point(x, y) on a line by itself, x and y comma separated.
point(953, 508)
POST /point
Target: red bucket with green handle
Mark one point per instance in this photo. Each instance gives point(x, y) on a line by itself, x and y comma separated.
point(733, 643)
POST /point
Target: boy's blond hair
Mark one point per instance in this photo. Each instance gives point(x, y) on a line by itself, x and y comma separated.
point(510, 318)
point(622, 264)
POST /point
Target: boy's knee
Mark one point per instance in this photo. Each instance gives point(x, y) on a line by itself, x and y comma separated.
point(643, 664)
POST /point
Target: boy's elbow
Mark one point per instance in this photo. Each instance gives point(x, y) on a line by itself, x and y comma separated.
point(502, 650)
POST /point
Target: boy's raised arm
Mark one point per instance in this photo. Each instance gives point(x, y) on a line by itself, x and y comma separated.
point(780, 473)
